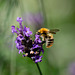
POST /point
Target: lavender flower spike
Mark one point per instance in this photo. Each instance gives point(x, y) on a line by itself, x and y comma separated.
point(24, 43)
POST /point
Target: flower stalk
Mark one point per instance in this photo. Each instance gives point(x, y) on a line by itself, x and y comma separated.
point(39, 68)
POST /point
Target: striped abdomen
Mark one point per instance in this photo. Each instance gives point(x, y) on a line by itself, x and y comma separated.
point(49, 40)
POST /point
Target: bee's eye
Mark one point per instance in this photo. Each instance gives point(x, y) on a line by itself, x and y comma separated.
point(38, 33)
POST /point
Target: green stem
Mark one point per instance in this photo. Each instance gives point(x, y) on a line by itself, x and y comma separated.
point(39, 68)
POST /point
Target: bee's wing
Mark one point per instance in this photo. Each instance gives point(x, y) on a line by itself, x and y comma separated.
point(53, 31)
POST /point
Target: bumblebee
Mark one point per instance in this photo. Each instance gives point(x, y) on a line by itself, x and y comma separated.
point(47, 35)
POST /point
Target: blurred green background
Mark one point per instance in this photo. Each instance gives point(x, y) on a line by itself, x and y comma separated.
point(59, 14)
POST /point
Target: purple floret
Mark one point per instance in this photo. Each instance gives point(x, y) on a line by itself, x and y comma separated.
point(27, 32)
point(37, 39)
point(39, 59)
point(14, 30)
point(19, 19)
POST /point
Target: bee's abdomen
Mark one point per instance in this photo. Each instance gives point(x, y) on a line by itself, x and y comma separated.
point(49, 41)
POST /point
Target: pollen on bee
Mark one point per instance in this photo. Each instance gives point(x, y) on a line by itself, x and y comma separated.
point(43, 30)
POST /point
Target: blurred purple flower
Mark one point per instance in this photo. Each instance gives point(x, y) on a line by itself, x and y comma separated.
point(71, 68)
point(37, 19)
point(25, 44)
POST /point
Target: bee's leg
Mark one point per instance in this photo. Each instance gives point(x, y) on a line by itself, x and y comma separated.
point(43, 42)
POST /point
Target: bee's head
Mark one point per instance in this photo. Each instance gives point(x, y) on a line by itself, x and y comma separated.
point(38, 33)
point(42, 31)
